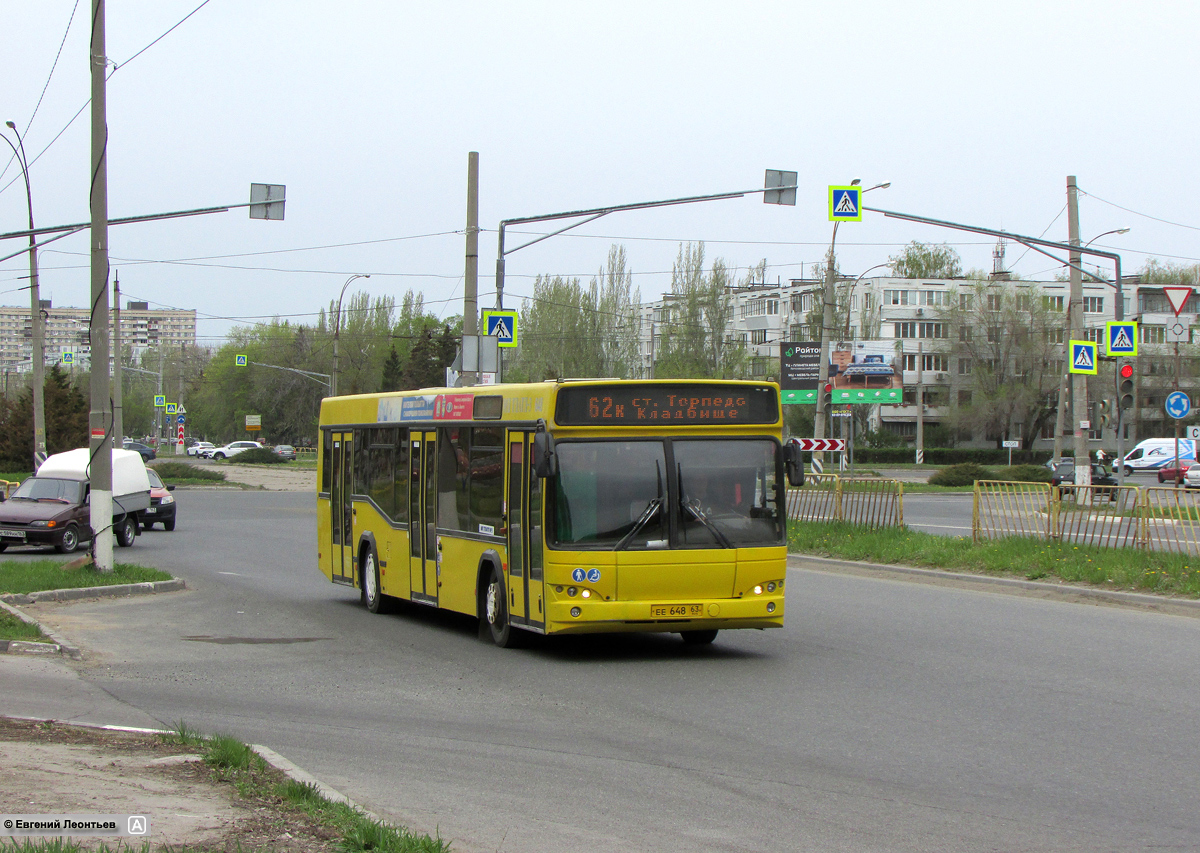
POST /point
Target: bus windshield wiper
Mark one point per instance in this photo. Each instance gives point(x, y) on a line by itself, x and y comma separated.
point(652, 510)
point(694, 508)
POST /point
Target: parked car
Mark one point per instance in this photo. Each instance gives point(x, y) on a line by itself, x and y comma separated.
point(1064, 475)
point(147, 453)
point(1191, 478)
point(162, 504)
point(52, 507)
point(286, 451)
point(233, 449)
point(199, 447)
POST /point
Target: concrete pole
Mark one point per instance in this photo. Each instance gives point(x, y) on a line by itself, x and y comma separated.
point(1079, 406)
point(920, 402)
point(828, 300)
point(471, 280)
point(100, 418)
point(118, 409)
point(158, 416)
point(36, 328)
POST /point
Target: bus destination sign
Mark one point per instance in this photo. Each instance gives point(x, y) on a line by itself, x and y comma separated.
point(656, 405)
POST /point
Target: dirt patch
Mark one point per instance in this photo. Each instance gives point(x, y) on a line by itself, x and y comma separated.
point(276, 478)
point(51, 768)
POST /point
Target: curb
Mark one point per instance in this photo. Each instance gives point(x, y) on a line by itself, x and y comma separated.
point(268, 755)
point(1112, 596)
point(57, 644)
point(114, 591)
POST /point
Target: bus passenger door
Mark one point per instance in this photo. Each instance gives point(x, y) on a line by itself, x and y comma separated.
point(340, 507)
point(422, 524)
point(525, 596)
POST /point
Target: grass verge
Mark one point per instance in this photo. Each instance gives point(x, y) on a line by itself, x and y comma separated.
point(1130, 569)
point(12, 628)
point(42, 575)
point(183, 473)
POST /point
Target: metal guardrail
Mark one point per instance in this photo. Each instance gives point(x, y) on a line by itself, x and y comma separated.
point(869, 501)
point(304, 451)
point(1161, 519)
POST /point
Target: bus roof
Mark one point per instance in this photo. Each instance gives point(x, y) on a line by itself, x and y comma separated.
point(576, 402)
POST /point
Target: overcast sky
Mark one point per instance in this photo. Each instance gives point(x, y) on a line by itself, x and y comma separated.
point(367, 110)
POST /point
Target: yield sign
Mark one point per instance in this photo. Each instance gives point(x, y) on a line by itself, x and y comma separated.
point(1178, 295)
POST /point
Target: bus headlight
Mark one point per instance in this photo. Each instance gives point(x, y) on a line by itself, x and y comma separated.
point(758, 590)
point(571, 591)
point(770, 606)
point(587, 593)
point(575, 611)
point(771, 586)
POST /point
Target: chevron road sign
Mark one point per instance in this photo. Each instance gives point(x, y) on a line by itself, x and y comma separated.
point(822, 444)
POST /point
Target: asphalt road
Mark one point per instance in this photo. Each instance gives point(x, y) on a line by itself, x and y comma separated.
point(884, 716)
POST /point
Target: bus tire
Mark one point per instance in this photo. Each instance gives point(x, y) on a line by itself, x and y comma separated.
point(699, 638)
point(494, 612)
point(372, 596)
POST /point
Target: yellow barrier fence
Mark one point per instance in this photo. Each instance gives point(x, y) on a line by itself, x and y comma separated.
point(1097, 515)
point(8, 486)
point(1171, 519)
point(870, 501)
point(1010, 509)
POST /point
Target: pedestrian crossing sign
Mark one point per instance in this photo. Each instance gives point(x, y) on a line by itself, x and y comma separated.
point(1120, 338)
point(501, 324)
point(160, 401)
point(1083, 357)
point(845, 204)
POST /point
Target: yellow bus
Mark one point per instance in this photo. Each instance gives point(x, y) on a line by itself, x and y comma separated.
point(562, 507)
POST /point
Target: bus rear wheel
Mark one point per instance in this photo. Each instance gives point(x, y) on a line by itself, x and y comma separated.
point(699, 638)
point(495, 611)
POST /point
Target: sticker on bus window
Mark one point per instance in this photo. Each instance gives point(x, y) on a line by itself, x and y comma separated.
point(487, 530)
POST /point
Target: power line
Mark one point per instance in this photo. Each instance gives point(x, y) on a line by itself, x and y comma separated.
point(1139, 213)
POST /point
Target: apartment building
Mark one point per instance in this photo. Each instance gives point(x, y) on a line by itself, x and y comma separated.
point(66, 333)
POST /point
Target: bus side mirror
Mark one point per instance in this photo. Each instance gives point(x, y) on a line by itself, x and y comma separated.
point(545, 463)
point(793, 463)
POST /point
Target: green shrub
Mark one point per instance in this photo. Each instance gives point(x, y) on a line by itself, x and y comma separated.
point(257, 456)
point(183, 471)
point(1025, 474)
point(948, 455)
point(961, 475)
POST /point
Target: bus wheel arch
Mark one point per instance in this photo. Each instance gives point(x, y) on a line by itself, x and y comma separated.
point(368, 574)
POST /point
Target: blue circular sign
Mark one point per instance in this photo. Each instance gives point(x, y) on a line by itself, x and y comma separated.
point(579, 575)
point(593, 575)
point(1178, 405)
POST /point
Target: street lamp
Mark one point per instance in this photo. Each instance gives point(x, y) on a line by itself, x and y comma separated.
point(35, 319)
point(827, 320)
point(850, 292)
point(337, 326)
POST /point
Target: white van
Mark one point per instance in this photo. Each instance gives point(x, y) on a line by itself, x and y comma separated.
point(1155, 453)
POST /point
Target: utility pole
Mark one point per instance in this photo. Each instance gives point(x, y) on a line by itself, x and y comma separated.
point(920, 402)
point(158, 416)
point(100, 418)
point(828, 299)
point(118, 410)
point(471, 279)
point(1079, 407)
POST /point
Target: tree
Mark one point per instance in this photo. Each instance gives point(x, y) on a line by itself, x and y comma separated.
point(926, 260)
point(570, 330)
point(393, 378)
point(430, 356)
point(695, 342)
point(1003, 346)
point(66, 421)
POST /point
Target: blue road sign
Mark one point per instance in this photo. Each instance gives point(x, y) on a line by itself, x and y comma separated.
point(502, 325)
point(1083, 357)
point(239, 361)
point(180, 419)
point(170, 409)
point(1178, 405)
point(1120, 338)
point(845, 204)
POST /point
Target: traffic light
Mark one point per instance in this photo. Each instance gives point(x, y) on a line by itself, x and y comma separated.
point(827, 396)
point(1125, 384)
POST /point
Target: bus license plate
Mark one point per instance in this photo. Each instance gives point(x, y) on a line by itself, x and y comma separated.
point(13, 534)
point(677, 611)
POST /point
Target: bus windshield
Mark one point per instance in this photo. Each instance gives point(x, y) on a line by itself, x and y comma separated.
point(673, 493)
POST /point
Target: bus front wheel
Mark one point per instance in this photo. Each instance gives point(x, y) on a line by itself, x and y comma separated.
point(699, 638)
point(372, 596)
point(495, 610)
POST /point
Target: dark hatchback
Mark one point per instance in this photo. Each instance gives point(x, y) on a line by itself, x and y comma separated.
point(1064, 475)
point(45, 511)
point(146, 452)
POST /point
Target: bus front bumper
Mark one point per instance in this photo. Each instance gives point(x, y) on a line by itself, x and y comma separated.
point(589, 616)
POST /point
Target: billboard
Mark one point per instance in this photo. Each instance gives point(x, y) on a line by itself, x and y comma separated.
point(860, 372)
